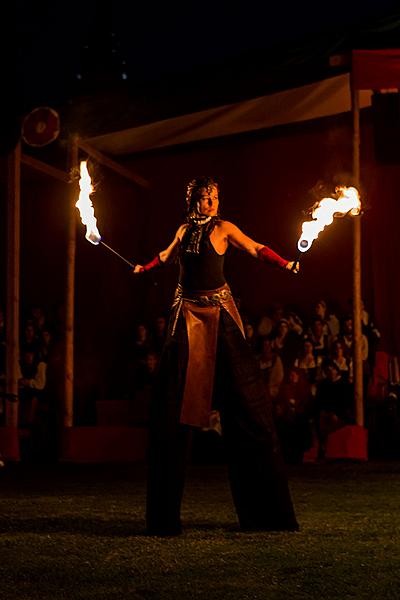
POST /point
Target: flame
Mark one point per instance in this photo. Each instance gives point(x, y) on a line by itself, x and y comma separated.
point(323, 213)
point(85, 205)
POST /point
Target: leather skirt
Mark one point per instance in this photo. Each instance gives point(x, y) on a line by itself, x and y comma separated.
point(201, 311)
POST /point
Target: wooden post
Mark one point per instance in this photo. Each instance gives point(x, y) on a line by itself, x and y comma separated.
point(13, 300)
point(68, 416)
point(357, 329)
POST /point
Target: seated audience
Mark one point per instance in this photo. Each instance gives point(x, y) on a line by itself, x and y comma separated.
point(334, 406)
point(309, 362)
point(271, 367)
point(32, 380)
point(292, 416)
point(286, 343)
point(343, 360)
point(330, 321)
point(319, 339)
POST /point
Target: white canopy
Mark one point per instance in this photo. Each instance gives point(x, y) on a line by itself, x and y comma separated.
point(324, 98)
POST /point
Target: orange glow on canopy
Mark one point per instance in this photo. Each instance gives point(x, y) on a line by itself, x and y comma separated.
point(323, 213)
point(85, 206)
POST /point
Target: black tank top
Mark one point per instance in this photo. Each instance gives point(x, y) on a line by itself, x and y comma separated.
point(203, 270)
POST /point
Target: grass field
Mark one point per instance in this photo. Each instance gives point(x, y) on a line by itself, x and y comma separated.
point(75, 531)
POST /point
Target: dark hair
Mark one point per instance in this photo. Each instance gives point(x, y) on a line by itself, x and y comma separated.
point(193, 190)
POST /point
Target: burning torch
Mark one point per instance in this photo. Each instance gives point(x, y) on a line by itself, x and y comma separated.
point(85, 206)
point(323, 213)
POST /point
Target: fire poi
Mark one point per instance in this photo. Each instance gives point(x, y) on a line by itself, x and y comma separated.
point(323, 213)
point(86, 210)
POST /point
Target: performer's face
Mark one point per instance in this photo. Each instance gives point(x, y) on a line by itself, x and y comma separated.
point(208, 202)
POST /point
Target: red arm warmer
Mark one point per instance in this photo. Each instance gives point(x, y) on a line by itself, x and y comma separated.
point(268, 255)
point(156, 262)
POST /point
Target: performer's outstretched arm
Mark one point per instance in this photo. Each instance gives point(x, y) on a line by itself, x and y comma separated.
point(238, 239)
point(164, 256)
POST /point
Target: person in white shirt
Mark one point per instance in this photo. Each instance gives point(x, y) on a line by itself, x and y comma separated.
point(31, 381)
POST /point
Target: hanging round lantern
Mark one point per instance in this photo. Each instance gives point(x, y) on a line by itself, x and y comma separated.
point(41, 126)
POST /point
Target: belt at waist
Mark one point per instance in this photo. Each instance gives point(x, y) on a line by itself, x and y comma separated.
point(206, 297)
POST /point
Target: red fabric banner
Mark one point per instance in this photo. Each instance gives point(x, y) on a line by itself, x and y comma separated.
point(376, 69)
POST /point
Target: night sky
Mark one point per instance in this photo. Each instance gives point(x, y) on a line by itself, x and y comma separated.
point(65, 49)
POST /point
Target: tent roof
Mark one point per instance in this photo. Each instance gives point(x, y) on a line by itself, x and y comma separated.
point(324, 98)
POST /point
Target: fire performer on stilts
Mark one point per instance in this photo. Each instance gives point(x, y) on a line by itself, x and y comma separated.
point(206, 359)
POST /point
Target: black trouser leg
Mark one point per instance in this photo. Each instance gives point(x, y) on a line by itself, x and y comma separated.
point(257, 472)
point(168, 445)
point(167, 460)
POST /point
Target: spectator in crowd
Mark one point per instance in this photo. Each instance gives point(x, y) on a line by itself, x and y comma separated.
point(271, 367)
point(159, 334)
point(318, 338)
point(347, 340)
point(269, 321)
point(369, 329)
point(250, 334)
point(295, 323)
point(307, 361)
point(38, 318)
point(334, 405)
point(32, 380)
point(343, 360)
point(141, 346)
point(45, 344)
point(331, 324)
point(346, 337)
point(30, 340)
point(286, 343)
point(372, 334)
point(293, 414)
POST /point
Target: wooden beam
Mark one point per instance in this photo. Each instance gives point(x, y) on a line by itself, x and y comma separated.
point(68, 401)
point(357, 300)
point(45, 168)
point(111, 164)
point(13, 288)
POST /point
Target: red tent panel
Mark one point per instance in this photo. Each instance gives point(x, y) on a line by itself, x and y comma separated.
point(376, 69)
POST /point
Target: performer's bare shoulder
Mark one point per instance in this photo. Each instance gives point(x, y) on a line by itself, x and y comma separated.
point(229, 233)
point(170, 253)
point(181, 231)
